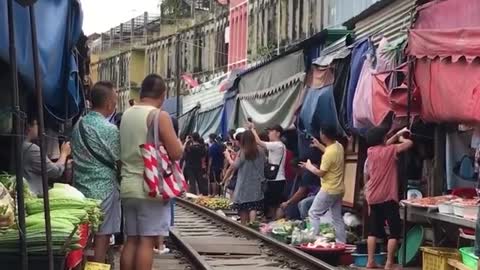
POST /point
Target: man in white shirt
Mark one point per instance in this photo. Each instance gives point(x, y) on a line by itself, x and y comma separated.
point(275, 170)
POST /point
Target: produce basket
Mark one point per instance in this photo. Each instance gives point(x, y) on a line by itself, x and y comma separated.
point(469, 258)
point(437, 258)
point(74, 258)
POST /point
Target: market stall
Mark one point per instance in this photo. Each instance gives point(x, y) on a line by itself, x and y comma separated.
point(444, 77)
point(73, 218)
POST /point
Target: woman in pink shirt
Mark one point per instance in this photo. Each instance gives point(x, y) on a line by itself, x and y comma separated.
point(381, 189)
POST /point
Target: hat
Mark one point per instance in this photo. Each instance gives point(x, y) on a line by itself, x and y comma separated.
point(238, 131)
point(277, 128)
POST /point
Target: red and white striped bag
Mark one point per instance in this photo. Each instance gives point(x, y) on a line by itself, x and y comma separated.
point(163, 178)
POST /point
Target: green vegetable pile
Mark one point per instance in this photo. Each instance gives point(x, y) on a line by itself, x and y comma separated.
point(327, 231)
point(68, 209)
point(10, 183)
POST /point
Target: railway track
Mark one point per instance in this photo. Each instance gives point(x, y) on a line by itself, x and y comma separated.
point(213, 242)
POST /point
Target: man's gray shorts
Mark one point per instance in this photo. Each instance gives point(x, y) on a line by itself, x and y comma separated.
point(112, 214)
point(146, 217)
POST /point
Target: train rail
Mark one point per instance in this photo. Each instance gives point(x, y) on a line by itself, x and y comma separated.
point(213, 242)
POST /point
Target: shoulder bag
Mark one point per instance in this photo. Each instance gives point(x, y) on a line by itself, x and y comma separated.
point(163, 178)
point(271, 170)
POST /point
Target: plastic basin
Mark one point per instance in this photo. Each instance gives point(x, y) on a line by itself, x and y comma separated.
point(360, 260)
point(469, 258)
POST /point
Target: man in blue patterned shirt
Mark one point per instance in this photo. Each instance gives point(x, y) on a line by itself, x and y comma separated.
point(96, 152)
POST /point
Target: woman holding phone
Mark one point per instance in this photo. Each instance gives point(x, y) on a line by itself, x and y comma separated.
point(248, 195)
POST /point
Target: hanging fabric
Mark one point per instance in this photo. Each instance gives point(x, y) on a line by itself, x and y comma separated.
point(445, 47)
point(359, 54)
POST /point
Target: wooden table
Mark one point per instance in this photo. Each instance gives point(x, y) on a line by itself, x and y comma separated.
point(457, 265)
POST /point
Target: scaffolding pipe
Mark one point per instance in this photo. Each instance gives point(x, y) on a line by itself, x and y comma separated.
point(41, 132)
point(18, 135)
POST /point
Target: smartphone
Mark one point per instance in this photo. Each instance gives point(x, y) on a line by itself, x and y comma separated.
point(309, 136)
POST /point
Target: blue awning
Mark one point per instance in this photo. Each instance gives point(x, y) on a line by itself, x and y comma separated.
point(170, 105)
point(59, 26)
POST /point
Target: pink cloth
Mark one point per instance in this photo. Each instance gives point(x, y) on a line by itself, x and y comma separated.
point(382, 185)
point(371, 101)
point(449, 14)
point(450, 92)
point(443, 43)
point(381, 103)
point(362, 101)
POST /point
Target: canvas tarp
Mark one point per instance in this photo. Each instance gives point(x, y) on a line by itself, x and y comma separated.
point(319, 111)
point(170, 105)
point(230, 99)
point(59, 25)
point(186, 122)
point(271, 106)
point(445, 45)
point(208, 122)
point(272, 74)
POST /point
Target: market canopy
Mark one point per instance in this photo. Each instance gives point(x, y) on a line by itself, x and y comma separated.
point(57, 36)
point(208, 94)
point(170, 105)
point(445, 46)
point(271, 106)
point(208, 122)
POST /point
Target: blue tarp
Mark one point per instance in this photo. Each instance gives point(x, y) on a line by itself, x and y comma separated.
point(230, 99)
point(170, 106)
point(318, 111)
point(59, 26)
point(208, 122)
point(359, 53)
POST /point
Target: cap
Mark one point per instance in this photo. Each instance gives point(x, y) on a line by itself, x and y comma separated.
point(238, 131)
point(277, 128)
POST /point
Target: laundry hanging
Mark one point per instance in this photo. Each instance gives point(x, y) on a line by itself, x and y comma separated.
point(370, 102)
point(319, 111)
point(359, 53)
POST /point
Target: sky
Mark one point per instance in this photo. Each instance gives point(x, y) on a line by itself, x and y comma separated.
point(101, 15)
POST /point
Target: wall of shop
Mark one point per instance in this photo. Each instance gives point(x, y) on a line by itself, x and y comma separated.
point(274, 25)
point(237, 34)
point(204, 52)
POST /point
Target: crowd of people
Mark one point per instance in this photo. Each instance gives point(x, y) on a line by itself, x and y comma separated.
point(255, 170)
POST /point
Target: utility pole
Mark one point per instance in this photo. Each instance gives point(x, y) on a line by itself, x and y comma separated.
point(177, 71)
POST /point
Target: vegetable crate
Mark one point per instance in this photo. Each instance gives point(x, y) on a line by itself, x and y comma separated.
point(437, 258)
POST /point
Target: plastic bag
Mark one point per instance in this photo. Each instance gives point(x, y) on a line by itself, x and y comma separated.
point(303, 236)
point(7, 209)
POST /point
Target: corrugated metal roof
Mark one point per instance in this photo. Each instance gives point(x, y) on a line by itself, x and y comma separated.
point(337, 50)
point(392, 21)
point(338, 11)
point(207, 94)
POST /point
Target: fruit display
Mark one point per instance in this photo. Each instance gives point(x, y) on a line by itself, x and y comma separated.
point(214, 203)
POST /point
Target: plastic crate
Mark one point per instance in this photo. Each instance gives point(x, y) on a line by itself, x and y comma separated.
point(469, 258)
point(437, 258)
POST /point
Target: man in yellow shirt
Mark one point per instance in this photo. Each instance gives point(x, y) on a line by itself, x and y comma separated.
point(331, 171)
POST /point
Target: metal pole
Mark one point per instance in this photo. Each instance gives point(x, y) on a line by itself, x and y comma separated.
point(41, 131)
point(17, 127)
point(405, 208)
point(177, 72)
